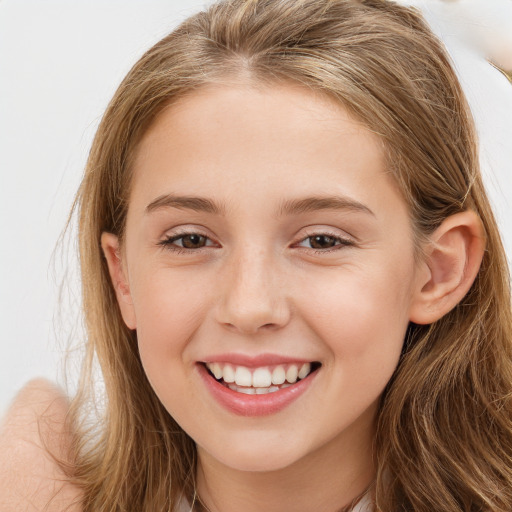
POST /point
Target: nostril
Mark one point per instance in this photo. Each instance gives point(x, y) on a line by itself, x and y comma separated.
point(250, 328)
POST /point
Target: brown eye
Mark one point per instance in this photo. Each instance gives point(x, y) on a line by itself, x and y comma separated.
point(192, 241)
point(188, 241)
point(322, 241)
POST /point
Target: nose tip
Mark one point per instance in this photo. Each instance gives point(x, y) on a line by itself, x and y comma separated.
point(252, 317)
point(252, 321)
point(253, 300)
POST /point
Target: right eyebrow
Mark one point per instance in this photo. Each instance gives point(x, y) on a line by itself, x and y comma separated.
point(315, 203)
point(198, 204)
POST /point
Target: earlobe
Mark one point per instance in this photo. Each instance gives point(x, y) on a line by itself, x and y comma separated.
point(111, 250)
point(451, 263)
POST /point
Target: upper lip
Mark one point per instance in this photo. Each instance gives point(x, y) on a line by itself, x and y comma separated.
point(254, 361)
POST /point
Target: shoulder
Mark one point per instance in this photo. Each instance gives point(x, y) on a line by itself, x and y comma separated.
point(33, 435)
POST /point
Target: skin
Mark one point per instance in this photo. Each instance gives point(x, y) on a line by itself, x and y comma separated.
point(258, 286)
point(35, 427)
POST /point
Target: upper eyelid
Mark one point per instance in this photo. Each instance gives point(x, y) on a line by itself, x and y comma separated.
point(176, 236)
point(344, 242)
point(344, 239)
point(178, 232)
point(309, 232)
point(314, 232)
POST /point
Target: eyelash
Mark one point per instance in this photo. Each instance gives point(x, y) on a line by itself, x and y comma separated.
point(339, 241)
point(168, 243)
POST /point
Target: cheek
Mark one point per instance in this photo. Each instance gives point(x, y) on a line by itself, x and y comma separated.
point(169, 308)
point(362, 321)
point(361, 316)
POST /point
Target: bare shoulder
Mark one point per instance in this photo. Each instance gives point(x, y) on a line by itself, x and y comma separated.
point(33, 435)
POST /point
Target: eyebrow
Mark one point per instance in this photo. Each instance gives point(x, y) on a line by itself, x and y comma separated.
point(310, 204)
point(199, 204)
point(288, 207)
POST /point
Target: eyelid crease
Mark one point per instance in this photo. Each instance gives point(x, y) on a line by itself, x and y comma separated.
point(168, 242)
point(168, 239)
point(310, 231)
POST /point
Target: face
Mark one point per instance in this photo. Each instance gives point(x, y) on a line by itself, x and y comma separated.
point(268, 268)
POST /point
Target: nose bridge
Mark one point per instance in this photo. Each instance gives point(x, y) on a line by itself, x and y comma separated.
point(253, 295)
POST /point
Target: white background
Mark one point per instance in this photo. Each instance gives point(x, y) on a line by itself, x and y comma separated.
point(60, 62)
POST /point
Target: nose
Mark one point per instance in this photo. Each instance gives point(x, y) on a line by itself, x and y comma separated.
point(252, 294)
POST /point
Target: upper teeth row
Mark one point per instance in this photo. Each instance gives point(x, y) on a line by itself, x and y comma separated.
point(261, 377)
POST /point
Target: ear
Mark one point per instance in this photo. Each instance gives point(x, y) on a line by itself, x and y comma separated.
point(452, 259)
point(111, 249)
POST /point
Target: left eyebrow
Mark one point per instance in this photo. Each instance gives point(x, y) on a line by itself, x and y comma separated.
point(310, 204)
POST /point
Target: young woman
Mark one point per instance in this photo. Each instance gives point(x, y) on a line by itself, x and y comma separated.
point(292, 280)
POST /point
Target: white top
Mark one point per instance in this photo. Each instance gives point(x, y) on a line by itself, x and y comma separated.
point(364, 505)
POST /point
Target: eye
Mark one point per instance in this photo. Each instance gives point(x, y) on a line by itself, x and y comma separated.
point(323, 242)
point(186, 241)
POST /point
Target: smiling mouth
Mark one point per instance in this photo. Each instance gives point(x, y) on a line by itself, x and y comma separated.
point(261, 380)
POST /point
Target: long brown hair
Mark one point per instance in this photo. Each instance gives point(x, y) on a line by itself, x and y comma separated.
point(444, 439)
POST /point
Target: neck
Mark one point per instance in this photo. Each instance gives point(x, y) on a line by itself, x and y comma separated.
point(327, 479)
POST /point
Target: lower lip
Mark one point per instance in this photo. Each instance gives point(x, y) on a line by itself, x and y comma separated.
point(254, 405)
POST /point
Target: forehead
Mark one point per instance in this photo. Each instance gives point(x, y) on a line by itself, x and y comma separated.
point(229, 140)
point(285, 109)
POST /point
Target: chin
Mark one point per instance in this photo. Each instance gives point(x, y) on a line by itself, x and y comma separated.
point(253, 457)
point(255, 463)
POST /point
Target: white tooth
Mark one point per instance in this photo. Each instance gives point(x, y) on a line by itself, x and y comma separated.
point(246, 391)
point(261, 378)
point(278, 375)
point(216, 369)
point(262, 391)
point(228, 374)
point(292, 373)
point(273, 389)
point(304, 370)
point(243, 376)
point(285, 386)
point(232, 386)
